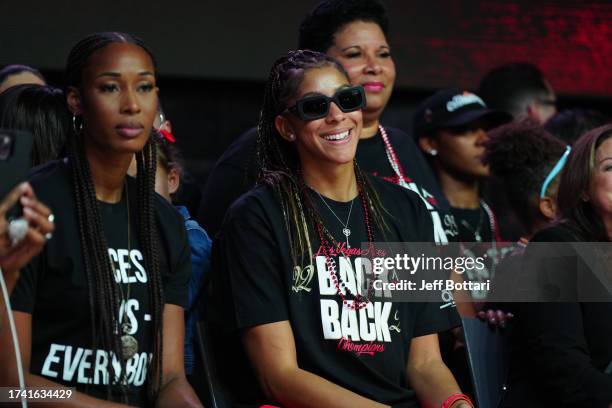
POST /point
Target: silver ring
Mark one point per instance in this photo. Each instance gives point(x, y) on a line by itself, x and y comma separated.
point(48, 236)
point(51, 217)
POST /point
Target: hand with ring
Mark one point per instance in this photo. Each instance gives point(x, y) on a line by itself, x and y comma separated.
point(22, 239)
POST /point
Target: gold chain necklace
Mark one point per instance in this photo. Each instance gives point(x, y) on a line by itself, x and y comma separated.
point(129, 344)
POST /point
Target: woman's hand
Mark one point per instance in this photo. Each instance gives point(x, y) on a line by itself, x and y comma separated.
point(39, 229)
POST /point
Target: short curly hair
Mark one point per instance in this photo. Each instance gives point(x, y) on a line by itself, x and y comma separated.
point(318, 28)
point(521, 154)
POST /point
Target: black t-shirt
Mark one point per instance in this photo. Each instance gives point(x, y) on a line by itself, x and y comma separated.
point(477, 235)
point(257, 283)
point(53, 288)
point(472, 221)
point(567, 345)
point(234, 174)
point(372, 157)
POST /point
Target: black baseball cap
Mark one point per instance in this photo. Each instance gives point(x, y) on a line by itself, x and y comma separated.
point(454, 107)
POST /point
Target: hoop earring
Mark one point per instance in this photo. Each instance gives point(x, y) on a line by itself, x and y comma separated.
point(74, 125)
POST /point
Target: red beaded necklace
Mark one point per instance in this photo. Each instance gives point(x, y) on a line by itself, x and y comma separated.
point(359, 301)
point(402, 180)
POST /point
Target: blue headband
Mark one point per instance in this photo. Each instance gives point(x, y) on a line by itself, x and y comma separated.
point(555, 171)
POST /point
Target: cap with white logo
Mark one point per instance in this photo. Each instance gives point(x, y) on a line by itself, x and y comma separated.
point(451, 108)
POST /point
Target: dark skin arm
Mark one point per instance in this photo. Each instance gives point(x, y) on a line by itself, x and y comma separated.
point(175, 390)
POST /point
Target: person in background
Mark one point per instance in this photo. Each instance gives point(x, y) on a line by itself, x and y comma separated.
point(355, 33)
point(566, 337)
point(451, 127)
point(528, 160)
point(167, 184)
point(521, 90)
point(41, 110)
point(569, 124)
point(15, 74)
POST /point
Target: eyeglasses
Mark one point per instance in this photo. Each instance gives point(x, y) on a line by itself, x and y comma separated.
point(317, 106)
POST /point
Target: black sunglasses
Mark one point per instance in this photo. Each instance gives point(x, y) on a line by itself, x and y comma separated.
point(317, 106)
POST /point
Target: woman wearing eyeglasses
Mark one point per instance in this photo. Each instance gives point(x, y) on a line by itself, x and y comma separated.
point(354, 32)
point(288, 259)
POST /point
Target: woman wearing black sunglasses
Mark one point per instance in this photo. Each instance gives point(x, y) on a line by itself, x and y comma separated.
point(354, 32)
point(288, 260)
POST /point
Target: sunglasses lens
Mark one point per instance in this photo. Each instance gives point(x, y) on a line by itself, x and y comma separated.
point(350, 99)
point(316, 107)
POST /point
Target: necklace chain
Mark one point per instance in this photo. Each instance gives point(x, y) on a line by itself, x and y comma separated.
point(475, 231)
point(345, 230)
point(359, 300)
point(129, 344)
point(129, 243)
point(484, 209)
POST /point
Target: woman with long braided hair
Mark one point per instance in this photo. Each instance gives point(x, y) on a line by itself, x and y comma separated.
point(101, 309)
point(289, 267)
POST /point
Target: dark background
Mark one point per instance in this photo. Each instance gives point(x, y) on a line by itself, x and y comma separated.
point(214, 55)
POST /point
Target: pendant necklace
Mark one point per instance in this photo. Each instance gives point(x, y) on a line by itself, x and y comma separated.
point(129, 344)
point(345, 230)
point(475, 231)
point(359, 301)
point(484, 208)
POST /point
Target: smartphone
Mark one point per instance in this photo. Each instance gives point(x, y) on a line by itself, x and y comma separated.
point(15, 159)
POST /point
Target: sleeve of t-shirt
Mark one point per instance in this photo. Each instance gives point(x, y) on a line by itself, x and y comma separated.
point(435, 317)
point(176, 287)
point(24, 293)
point(247, 261)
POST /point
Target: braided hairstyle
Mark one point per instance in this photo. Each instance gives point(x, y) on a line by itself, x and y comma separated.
point(105, 298)
point(522, 154)
point(278, 161)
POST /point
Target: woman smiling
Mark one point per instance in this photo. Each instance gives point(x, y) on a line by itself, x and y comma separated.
point(288, 277)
